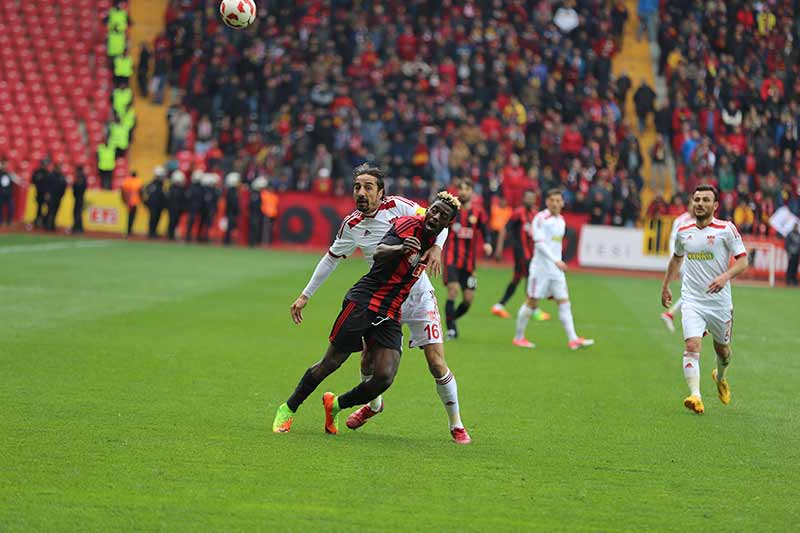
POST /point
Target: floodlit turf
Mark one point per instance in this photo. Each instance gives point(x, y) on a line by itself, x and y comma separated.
point(138, 382)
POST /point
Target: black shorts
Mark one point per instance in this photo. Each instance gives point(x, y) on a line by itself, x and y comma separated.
point(521, 264)
point(356, 325)
point(464, 277)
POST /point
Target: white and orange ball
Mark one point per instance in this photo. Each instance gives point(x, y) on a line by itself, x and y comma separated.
point(237, 14)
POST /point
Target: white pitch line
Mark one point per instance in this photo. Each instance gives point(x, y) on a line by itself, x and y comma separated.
point(52, 246)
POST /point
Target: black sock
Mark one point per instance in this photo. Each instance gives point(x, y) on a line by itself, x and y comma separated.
point(359, 395)
point(509, 292)
point(463, 307)
point(449, 311)
point(306, 386)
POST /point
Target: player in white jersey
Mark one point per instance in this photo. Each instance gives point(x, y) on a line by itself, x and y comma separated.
point(668, 316)
point(364, 229)
point(546, 275)
point(707, 246)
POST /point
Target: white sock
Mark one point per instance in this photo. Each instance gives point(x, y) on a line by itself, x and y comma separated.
point(565, 316)
point(722, 367)
point(375, 404)
point(523, 315)
point(448, 392)
point(691, 371)
point(675, 307)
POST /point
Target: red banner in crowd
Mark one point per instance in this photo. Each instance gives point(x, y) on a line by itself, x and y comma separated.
point(313, 220)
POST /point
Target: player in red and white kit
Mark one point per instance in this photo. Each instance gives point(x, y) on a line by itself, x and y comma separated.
point(371, 314)
point(363, 230)
point(546, 278)
point(519, 231)
point(686, 218)
point(460, 253)
point(706, 246)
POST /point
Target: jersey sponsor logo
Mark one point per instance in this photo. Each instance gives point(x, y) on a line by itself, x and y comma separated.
point(557, 238)
point(464, 233)
point(700, 256)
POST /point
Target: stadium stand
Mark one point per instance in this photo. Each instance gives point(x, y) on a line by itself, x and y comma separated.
point(55, 84)
point(516, 94)
point(733, 81)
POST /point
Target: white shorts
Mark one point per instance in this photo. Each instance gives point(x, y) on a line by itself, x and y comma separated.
point(420, 312)
point(547, 286)
point(697, 319)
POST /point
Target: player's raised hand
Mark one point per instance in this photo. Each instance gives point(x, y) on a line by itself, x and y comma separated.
point(411, 245)
point(297, 308)
point(666, 296)
point(433, 256)
point(717, 284)
point(562, 266)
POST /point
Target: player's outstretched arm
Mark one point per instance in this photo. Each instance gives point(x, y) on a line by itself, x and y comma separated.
point(739, 266)
point(325, 268)
point(673, 268)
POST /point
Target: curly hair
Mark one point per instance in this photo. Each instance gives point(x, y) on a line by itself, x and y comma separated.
point(450, 200)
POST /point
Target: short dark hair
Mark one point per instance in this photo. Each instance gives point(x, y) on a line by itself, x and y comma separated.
point(371, 170)
point(553, 192)
point(705, 187)
point(467, 181)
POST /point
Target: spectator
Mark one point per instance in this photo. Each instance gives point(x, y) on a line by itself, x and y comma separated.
point(743, 216)
point(644, 99)
point(143, 69)
point(658, 164)
point(658, 208)
point(792, 245)
point(648, 13)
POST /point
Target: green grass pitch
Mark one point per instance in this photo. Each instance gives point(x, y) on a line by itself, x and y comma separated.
point(138, 382)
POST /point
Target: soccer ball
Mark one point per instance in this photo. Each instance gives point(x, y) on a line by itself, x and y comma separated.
point(237, 13)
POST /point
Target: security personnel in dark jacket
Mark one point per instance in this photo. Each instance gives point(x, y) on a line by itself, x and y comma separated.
point(78, 192)
point(6, 194)
point(176, 201)
point(155, 200)
point(232, 181)
point(195, 198)
point(58, 186)
point(208, 208)
point(255, 217)
point(41, 180)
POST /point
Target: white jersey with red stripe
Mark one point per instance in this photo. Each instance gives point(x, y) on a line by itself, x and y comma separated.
point(707, 254)
point(547, 231)
point(682, 220)
point(364, 232)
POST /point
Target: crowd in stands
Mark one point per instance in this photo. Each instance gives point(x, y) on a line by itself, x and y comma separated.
point(517, 94)
point(733, 112)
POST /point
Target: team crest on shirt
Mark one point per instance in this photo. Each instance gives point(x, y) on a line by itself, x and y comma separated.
point(711, 240)
point(473, 219)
